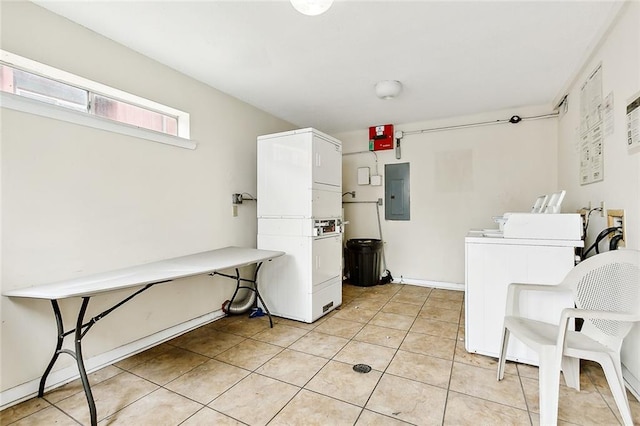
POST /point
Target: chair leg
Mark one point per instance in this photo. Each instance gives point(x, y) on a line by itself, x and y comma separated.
point(613, 373)
point(503, 352)
point(549, 386)
point(571, 372)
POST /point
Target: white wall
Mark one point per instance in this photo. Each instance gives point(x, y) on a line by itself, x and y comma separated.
point(77, 200)
point(459, 179)
point(619, 54)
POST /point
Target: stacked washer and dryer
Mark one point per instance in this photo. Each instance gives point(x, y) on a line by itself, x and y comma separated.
point(300, 213)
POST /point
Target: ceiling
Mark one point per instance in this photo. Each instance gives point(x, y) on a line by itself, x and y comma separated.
point(453, 58)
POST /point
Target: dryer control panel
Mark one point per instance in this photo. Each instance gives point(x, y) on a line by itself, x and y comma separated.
point(326, 227)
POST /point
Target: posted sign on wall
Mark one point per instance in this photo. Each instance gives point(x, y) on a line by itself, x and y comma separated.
point(633, 124)
point(591, 136)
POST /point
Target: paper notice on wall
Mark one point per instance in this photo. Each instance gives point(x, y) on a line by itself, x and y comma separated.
point(633, 124)
point(591, 101)
point(591, 156)
point(608, 114)
point(591, 128)
point(597, 163)
point(585, 159)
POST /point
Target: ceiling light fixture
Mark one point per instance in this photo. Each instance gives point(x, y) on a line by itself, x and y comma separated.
point(311, 7)
point(388, 89)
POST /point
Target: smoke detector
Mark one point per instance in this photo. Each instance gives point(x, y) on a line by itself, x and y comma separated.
point(388, 89)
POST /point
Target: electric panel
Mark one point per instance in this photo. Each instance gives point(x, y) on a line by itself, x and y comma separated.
point(396, 191)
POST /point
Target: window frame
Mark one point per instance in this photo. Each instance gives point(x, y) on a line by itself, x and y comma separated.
point(24, 104)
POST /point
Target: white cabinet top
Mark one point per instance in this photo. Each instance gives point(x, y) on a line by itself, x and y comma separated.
point(302, 132)
point(487, 237)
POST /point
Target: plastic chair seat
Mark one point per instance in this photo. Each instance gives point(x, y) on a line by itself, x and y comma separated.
point(536, 334)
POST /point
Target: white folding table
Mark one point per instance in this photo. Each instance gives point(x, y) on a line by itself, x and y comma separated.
point(147, 275)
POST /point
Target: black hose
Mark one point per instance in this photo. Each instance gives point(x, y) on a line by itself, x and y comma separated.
point(615, 240)
point(601, 236)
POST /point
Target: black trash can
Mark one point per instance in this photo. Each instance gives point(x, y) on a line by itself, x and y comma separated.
point(363, 261)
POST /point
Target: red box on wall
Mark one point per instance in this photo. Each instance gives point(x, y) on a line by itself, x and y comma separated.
point(381, 137)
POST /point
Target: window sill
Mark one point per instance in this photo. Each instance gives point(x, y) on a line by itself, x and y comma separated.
point(19, 103)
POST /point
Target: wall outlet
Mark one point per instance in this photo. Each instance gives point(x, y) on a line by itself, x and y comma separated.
point(236, 198)
point(234, 210)
point(615, 217)
point(602, 209)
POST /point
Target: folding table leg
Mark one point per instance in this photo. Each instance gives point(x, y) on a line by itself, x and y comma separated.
point(255, 285)
point(239, 285)
point(61, 334)
point(83, 373)
point(79, 333)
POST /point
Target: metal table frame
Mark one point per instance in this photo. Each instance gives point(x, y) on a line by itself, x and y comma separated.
point(244, 257)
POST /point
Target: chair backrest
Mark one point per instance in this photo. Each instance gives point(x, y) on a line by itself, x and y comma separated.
point(540, 204)
point(609, 282)
point(555, 202)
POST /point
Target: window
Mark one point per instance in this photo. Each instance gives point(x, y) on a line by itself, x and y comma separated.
point(132, 114)
point(42, 89)
point(37, 88)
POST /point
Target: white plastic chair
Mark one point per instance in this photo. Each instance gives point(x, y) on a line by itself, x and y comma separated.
point(555, 202)
point(606, 291)
point(540, 204)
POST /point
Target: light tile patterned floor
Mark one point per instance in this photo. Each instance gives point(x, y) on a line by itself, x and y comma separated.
point(239, 371)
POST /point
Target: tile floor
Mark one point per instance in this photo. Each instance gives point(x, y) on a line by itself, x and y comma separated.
point(238, 371)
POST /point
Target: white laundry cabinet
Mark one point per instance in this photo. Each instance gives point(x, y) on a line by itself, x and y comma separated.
point(492, 263)
point(300, 211)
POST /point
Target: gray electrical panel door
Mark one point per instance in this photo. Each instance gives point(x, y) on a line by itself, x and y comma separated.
point(396, 191)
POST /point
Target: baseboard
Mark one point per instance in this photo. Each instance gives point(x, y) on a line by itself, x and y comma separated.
point(631, 382)
point(435, 284)
point(58, 378)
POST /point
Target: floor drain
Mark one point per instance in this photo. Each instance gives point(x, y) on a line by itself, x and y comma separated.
point(361, 368)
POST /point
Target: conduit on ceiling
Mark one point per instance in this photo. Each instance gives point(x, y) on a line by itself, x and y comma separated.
point(515, 119)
